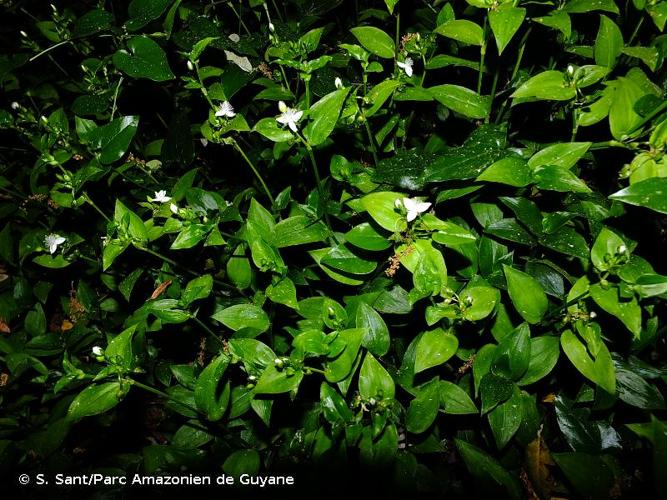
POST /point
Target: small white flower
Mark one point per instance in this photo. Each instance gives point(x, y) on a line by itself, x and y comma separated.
point(15, 106)
point(160, 197)
point(414, 206)
point(272, 28)
point(289, 116)
point(338, 83)
point(226, 110)
point(204, 142)
point(593, 315)
point(622, 249)
point(98, 351)
point(234, 37)
point(174, 208)
point(190, 65)
point(53, 241)
point(406, 65)
point(23, 34)
point(570, 69)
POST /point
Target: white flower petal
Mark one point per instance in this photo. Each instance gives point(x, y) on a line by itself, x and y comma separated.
point(412, 216)
point(282, 106)
point(292, 126)
point(296, 115)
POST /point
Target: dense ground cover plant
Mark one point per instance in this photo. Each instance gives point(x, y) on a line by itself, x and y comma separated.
point(421, 237)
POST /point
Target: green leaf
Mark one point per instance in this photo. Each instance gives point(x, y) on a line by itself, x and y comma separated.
point(375, 41)
point(649, 193)
point(340, 367)
point(608, 43)
point(283, 292)
point(564, 154)
point(544, 353)
point(479, 302)
point(274, 381)
point(600, 372)
point(434, 348)
point(208, 397)
point(119, 350)
point(143, 59)
point(505, 419)
point(366, 237)
point(635, 391)
point(341, 258)
point(547, 86)
point(381, 207)
point(190, 236)
point(512, 355)
point(455, 400)
point(552, 178)
point(111, 140)
point(271, 129)
point(376, 339)
point(505, 21)
point(462, 100)
point(379, 94)
point(197, 289)
point(494, 389)
point(527, 294)
point(238, 268)
point(510, 170)
point(423, 409)
point(606, 247)
point(584, 6)
point(142, 12)
point(374, 380)
point(130, 222)
point(242, 462)
point(462, 30)
point(324, 115)
point(95, 399)
point(298, 230)
point(628, 311)
point(591, 475)
point(491, 477)
point(243, 316)
point(622, 115)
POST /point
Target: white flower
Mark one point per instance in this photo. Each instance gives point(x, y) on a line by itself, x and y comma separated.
point(174, 208)
point(406, 65)
point(190, 65)
point(15, 106)
point(414, 206)
point(570, 69)
point(23, 34)
point(592, 315)
point(226, 110)
point(272, 28)
point(160, 197)
point(338, 83)
point(622, 249)
point(289, 116)
point(53, 241)
point(98, 351)
point(234, 37)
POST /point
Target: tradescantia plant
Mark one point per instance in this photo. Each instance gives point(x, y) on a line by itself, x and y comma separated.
point(423, 238)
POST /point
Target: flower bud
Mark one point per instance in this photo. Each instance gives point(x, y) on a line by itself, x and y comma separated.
point(272, 28)
point(622, 249)
point(190, 65)
point(252, 379)
point(570, 70)
point(98, 351)
point(278, 363)
point(23, 34)
point(338, 83)
point(593, 315)
point(15, 106)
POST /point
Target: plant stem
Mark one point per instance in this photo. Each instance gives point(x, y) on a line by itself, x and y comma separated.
point(115, 98)
point(318, 179)
point(314, 370)
point(92, 204)
point(160, 393)
point(482, 55)
point(371, 139)
point(254, 169)
point(207, 330)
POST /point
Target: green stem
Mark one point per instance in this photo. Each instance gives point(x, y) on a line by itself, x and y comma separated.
point(371, 139)
point(241, 23)
point(115, 98)
point(92, 204)
point(314, 370)
point(207, 330)
point(160, 393)
point(482, 56)
point(318, 179)
point(254, 169)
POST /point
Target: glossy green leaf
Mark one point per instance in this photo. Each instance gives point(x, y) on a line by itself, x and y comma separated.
point(143, 59)
point(527, 294)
